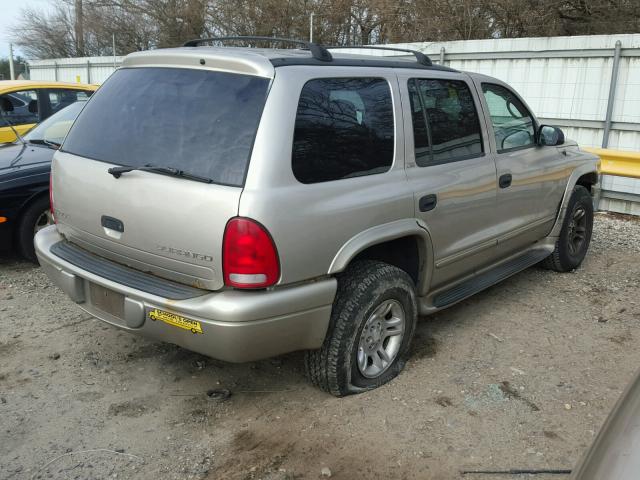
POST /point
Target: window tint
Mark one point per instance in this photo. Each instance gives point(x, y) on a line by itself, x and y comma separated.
point(198, 121)
point(20, 108)
point(512, 124)
point(445, 122)
point(60, 98)
point(421, 142)
point(344, 128)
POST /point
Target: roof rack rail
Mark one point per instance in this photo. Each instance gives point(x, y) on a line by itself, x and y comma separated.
point(318, 52)
point(421, 58)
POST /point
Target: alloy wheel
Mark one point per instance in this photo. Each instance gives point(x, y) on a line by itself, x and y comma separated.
point(381, 339)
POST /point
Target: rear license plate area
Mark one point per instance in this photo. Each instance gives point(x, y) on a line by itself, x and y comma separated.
point(107, 300)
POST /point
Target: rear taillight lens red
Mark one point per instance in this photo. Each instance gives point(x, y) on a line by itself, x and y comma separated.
point(53, 214)
point(249, 256)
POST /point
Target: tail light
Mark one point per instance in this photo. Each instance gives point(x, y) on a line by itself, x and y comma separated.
point(249, 256)
point(53, 213)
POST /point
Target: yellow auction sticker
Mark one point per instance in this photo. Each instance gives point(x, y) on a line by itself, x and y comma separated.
point(175, 320)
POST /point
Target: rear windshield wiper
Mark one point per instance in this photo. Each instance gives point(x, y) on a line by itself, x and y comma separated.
point(174, 172)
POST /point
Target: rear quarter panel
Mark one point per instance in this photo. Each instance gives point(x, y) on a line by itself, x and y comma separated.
point(17, 190)
point(311, 222)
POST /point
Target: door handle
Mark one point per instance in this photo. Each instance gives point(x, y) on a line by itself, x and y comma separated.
point(428, 202)
point(505, 180)
point(112, 223)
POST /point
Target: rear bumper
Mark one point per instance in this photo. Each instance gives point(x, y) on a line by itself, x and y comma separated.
point(237, 326)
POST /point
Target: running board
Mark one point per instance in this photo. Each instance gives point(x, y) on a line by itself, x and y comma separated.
point(489, 278)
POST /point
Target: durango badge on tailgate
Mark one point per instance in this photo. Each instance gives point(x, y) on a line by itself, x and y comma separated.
point(175, 320)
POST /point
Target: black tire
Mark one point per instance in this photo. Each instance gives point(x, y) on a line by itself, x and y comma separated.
point(27, 226)
point(363, 288)
point(568, 256)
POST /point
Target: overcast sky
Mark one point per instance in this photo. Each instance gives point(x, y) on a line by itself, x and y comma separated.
point(9, 14)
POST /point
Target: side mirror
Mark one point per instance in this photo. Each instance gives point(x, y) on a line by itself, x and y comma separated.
point(551, 136)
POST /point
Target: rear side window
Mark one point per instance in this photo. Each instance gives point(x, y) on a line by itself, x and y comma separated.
point(60, 98)
point(344, 128)
point(198, 121)
point(446, 127)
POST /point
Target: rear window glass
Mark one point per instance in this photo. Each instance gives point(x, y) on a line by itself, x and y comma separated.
point(344, 128)
point(198, 121)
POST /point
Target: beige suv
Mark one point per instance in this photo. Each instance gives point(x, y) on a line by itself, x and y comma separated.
point(245, 202)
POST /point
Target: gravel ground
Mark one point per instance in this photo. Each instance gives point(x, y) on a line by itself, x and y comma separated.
point(519, 376)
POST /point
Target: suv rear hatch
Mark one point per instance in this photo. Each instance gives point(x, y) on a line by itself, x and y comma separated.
point(197, 126)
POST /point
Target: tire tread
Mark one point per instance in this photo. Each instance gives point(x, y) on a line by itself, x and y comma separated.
point(554, 260)
point(325, 366)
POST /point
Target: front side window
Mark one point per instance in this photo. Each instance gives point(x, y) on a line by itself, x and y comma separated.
point(445, 122)
point(344, 128)
point(513, 125)
point(20, 108)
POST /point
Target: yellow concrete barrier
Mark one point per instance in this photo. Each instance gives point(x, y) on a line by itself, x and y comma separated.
point(617, 162)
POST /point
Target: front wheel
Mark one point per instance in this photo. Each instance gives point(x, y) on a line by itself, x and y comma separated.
point(575, 235)
point(372, 322)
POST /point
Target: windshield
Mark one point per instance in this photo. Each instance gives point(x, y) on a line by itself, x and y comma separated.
point(55, 128)
point(198, 121)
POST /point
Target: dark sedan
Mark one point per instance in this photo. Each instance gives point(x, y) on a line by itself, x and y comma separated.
point(24, 180)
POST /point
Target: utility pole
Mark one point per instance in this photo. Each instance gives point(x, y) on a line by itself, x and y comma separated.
point(79, 29)
point(12, 72)
point(311, 28)
point(113, 40)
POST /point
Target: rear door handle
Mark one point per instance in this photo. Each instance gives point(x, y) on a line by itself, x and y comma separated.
point(505, 180)
point(428, 202)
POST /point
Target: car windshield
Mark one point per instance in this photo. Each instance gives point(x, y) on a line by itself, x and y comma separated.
point(55, 128)
point(197, 121)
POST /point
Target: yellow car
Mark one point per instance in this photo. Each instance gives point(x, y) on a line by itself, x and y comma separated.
point(23, 103)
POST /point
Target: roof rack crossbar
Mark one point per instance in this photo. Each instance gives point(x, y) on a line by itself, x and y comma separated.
point(421, 58)
point(317, 51)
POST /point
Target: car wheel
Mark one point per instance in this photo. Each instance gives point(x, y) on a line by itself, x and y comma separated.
point(372, 322)
point(36, 217)
point(575, 235)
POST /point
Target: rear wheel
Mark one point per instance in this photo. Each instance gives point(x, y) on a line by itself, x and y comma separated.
point(575, 235)
point(372, 323)
point(36, 217)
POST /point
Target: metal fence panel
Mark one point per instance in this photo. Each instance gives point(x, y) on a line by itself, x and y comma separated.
point(565, 80)
point(83, 70)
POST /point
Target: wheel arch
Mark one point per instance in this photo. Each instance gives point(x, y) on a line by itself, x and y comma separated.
point(404, 243)
point(588, 180)
point(585, 175)
point(34, 197)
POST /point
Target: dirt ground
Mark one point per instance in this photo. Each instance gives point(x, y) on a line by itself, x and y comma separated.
point(519, 376)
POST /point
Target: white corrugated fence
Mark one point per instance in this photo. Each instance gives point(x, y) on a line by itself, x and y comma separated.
point(77, 70)
point(565, 80)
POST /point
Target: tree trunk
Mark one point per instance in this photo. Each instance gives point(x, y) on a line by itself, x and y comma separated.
point(79, 29)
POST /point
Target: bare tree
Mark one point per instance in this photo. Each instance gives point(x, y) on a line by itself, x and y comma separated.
point(85, 27)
